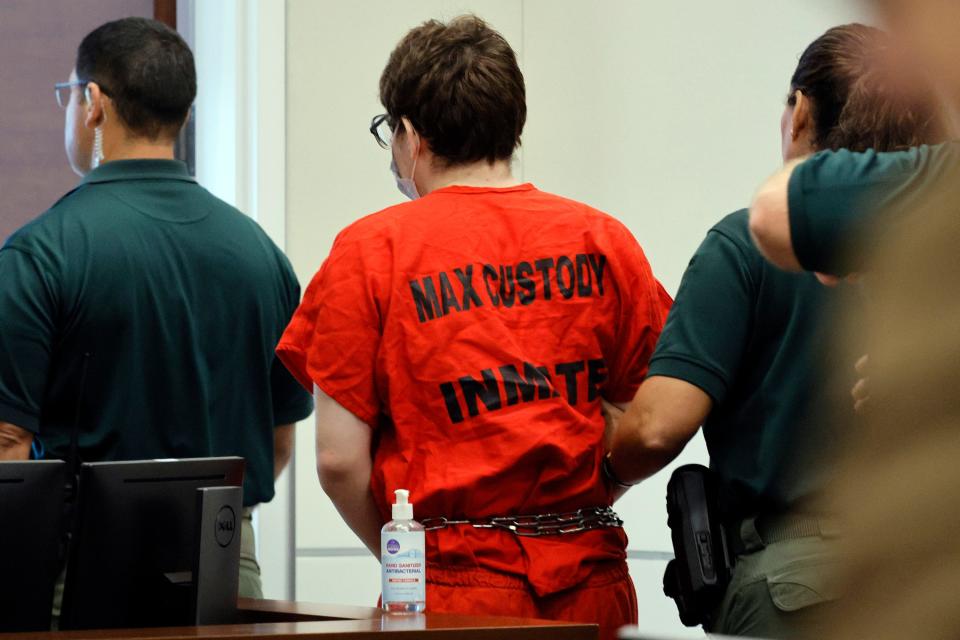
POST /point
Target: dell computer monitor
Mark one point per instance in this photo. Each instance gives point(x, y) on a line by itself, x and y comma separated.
point(31, 534)
point(135, 545)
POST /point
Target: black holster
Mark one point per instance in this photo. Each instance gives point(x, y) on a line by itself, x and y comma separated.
point(699, 574)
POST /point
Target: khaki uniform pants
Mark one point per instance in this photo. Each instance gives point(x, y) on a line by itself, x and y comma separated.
point(250, 584)
point(779, 590)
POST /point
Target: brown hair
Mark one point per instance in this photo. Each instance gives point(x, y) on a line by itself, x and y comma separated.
point(860, 99)
point(461, 88)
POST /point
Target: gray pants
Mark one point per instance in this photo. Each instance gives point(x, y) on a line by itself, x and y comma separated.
point(780, 590)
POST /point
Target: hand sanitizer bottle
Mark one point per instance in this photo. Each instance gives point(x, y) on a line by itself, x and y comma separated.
point(403, 560)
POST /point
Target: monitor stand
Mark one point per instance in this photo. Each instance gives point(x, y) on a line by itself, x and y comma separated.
point(216, 564)
point(211, 588)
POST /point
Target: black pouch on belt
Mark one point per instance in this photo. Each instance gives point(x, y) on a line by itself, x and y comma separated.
point(699, 574)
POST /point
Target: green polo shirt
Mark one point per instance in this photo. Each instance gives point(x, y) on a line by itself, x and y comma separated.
point(754, 339)
point(155, 308)
point(839, 202)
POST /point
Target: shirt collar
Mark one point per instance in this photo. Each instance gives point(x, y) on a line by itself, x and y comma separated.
point(138, 170)
point(526, 186)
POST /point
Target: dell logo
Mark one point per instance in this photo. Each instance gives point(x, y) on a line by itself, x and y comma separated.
point(225, 526)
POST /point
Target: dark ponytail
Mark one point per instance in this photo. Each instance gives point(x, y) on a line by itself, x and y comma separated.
point(859, 99)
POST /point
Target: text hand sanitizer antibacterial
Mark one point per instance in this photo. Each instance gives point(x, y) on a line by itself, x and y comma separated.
point(403, 560)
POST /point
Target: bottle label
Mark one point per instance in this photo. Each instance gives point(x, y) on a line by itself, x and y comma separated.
point(403, 563)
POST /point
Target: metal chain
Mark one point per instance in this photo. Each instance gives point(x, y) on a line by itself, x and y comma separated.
point(537, 525)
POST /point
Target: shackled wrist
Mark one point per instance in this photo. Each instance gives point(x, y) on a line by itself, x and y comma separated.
point(612, 475)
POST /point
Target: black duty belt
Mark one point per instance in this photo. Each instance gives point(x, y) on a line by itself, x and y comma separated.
point(548, 524)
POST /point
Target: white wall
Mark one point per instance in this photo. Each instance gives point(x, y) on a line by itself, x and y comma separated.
point(663, 114)
point(239, 46)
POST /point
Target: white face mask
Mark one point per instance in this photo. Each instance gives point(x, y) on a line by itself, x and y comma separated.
point(406, 185)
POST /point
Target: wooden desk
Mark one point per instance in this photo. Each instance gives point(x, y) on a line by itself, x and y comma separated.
point(299, 621)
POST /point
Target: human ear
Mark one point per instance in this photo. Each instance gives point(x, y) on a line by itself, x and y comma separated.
point(802, 123)
point(95, 113)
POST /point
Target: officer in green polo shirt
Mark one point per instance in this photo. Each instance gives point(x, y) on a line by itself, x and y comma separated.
point(822, 213)
point(140, 302)
point(746, 353)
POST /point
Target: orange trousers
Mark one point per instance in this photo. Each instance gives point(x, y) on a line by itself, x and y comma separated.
point(607, 597)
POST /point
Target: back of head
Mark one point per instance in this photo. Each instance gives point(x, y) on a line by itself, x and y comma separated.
point(863, 95)
point(146, 69)
point(460, 86)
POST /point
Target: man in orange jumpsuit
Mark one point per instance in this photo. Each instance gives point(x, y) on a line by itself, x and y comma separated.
point(460, 346)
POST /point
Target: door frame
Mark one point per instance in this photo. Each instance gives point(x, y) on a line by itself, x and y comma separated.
point(240, 152)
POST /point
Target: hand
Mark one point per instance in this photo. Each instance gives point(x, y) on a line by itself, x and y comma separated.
point(611, 417)
point(14, 442)
point(833, 281)
point(861, 390)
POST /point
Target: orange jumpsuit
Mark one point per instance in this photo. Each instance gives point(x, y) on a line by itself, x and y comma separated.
point(476, 330)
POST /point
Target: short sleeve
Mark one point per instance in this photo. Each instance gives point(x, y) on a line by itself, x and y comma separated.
point(709, 325)
point(838, 200)
point(644, 305)
point(291, 401)
point(28, 309)
point(334, 336)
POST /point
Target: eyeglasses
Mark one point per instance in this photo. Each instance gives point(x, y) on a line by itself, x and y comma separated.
point(62, 91)
point(382, 128)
